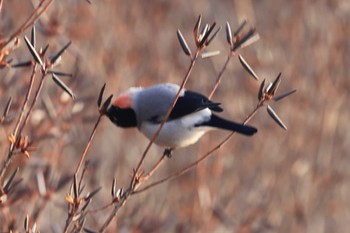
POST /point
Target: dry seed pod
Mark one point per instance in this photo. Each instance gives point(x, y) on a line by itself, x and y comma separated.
point(245, 40)
point(204, 39)
point(59, 73)
point(274, 116)
point(75, 187)
point(272, 90)
point(26, 224)
point(229, 34)
point(254, 38)
point(239, 29)
point(114, 187)
point(33, 52)
point(87, 203)
point(213, 36)
point(119, 192)
point(267, 88)
point(64, 87)
point(93, 193)
point(22, 64)
point(210, 54)
point(283, 95)
point(261, 91)
point(7, 107)
point(33, 37)
point(8, 183)
point(183, 43)
point(53, 59)
point(203, 32)
point(33, 228)
point(106, 103)
point(41, 183)
point(196, 27)
point(44, 50)
point(248, 68)
point(100, 96)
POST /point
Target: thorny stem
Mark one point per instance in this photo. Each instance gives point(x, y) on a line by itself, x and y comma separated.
point(192, 165)
point(19, 121)
point(29, 21)
point(193, 61)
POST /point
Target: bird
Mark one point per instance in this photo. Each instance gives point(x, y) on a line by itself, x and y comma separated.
point(192, 116)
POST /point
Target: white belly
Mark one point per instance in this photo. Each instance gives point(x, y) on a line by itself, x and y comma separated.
point(179, 132)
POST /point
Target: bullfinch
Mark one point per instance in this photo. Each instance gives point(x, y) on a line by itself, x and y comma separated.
point(189, 120)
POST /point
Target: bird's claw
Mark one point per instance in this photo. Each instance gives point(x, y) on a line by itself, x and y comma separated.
point(168, 152)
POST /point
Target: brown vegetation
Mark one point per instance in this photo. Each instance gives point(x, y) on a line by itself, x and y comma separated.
point(276, 181)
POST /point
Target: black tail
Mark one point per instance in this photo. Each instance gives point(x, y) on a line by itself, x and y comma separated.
point(221, 123)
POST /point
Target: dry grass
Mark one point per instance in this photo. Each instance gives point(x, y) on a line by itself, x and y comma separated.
point(277, 181)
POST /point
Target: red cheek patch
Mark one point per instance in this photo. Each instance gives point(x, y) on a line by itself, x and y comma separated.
point(123, 101)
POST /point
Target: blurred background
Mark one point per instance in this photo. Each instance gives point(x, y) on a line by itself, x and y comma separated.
point(277, 181)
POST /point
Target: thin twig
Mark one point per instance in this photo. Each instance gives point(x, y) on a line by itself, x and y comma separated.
point(82, 158)
point(83, 155)
point(201, 159)
point(29, 21)
point(155, 167)
point(193, 61)
point(25, 103)
point(36, 96)
point(133, 185)
point(100, 208)
point(218, 80)
point(121, 203)
point(16, 131)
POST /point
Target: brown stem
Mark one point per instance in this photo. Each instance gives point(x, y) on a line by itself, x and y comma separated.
point(36, 96)
point(218, 80)
point(100, 208)
point(16, 133)
point(121, 203)
point(25, 103)
point(133, 185)
point(29, 21)
point(88, 145)
point(195, 163)
point(155, 167)
point(184, 81)
point(82, 158)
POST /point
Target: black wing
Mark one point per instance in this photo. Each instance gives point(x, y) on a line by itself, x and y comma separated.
point(192, 102)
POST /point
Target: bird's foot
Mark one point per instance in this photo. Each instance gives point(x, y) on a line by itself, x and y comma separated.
point(168, 152)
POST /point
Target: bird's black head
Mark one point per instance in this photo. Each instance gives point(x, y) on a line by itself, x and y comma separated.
point(122, 117)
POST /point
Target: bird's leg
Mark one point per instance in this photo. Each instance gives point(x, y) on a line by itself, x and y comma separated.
point(168, 152)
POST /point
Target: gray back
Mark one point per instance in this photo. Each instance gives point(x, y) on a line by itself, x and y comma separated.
point(154, 102)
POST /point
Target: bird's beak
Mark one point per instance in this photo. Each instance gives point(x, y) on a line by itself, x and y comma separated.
point(112, 114)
